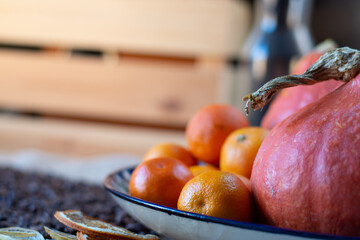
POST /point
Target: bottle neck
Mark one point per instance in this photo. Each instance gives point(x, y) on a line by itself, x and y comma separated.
point(280, 14)
point(272, 14)
point(278, 22)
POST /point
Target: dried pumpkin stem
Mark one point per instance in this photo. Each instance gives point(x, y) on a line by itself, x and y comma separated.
point(341, 64)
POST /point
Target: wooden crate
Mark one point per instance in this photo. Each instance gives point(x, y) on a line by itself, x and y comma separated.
point(156, 61)
point(132, 90)
point(78, 138)
point(169, 27)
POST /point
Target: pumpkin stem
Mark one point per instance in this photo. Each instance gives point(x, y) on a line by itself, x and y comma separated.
point(341, 64)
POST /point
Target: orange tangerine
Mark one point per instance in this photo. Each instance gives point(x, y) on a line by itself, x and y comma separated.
point(198, 169)
point(218, 194)
point(208, 128)
point(172, 150)
point(245, 180)
point(240, 148)
point(159, 180)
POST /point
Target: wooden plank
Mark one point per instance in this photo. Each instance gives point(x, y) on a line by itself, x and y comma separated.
point(176, 27)
point(76, 138)
point(162, 93)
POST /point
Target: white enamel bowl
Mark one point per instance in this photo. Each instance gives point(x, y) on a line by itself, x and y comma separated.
point(174, 224)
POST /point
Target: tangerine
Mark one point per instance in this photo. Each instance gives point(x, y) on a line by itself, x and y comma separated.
point(159, 180)
point(198, 169)
point(240, 148)
point(208, 128)
point(172, 150)
point(218, 194)
point(245, 181)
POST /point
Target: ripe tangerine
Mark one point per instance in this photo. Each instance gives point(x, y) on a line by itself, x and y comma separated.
point(218, 194)
point(208, 128)
point(172, 150)
point(240, 148)
point(159, 180)
point(198, 169)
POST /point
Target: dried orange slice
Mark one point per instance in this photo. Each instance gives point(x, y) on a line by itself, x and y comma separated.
point(57, 235)
point(4, 237)
point(97, 228)
point(19, 233)
point(83, 236)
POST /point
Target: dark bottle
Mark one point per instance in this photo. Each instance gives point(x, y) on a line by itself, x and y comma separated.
point(280, 33)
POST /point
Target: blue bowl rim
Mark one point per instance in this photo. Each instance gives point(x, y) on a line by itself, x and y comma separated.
point(172, 211)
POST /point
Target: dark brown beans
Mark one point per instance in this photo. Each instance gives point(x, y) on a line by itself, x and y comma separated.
point(30, 200)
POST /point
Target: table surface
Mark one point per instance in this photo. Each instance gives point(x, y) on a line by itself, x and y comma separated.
point(87, 169)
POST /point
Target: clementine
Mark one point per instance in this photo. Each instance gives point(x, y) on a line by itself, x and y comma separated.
point(172, 150)
point(240, 148)
point(208, 128)
point(159, 180)
point(198, 169)
point(245, 181)
point(218, 194)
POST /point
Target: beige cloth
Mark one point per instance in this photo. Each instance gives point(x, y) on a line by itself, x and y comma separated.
point(87, 169)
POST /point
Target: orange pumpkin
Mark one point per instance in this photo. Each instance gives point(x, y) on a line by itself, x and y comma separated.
point(292, 99)
point(306, 175)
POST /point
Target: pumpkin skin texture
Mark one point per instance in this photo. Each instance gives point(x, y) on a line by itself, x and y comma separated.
point(290, 100)
point(306, 175)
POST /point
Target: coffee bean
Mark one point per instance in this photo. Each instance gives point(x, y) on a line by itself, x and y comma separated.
point(30, 200)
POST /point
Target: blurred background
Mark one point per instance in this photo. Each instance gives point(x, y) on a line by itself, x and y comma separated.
point(92, 77)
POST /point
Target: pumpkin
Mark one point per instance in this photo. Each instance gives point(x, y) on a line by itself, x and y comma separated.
point(290, 100)
point(306, 175)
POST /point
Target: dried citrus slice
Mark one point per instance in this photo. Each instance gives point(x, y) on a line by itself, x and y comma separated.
point(4, 237)
point(57, 235)
point(83, 236)
point(97, 228)
point(20, 233)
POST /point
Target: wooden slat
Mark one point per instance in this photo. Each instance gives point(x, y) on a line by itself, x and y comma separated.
point(170, 27)
point(75, 138)
point(162, 93)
